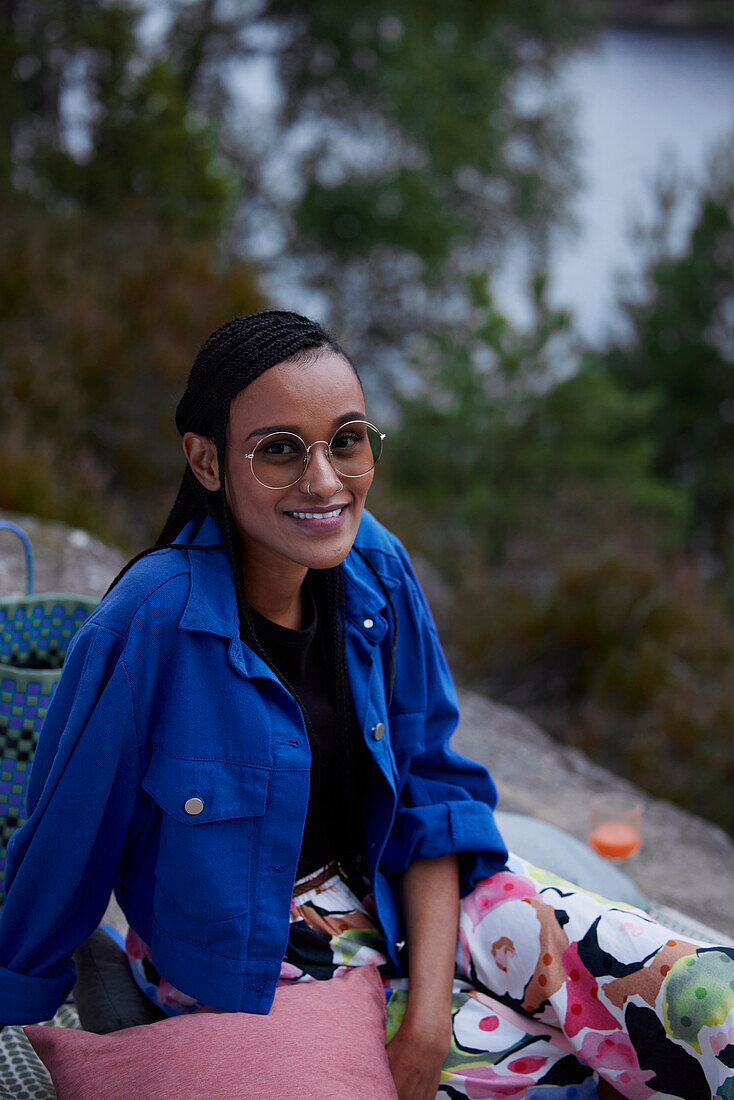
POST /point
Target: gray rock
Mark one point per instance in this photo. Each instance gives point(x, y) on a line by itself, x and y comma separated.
point(66, 559)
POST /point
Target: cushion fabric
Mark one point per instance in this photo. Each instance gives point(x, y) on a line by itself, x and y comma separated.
point(324, 1039)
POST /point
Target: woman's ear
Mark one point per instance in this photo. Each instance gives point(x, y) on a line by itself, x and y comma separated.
point(201, 454)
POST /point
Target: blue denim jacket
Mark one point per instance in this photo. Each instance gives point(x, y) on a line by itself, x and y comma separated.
point(161, 711)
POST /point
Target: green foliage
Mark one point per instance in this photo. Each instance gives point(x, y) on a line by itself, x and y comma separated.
point(416, 140)
point(150, 155)
point(401, 212)
point(38, 41)
point(441, 79)
point(614, 647)
point(534, 492)
point(493, 435)
point(113, 267)
point(409, 142)
point(436, 84)
point(99, 323)
point(680, 352)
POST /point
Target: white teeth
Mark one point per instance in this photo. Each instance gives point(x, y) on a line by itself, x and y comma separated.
point(318, 515)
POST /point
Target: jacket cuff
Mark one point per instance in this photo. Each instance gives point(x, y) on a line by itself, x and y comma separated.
point(428, 832)
point(26, 999)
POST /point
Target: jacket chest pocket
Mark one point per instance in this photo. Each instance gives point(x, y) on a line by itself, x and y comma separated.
point(210, 819)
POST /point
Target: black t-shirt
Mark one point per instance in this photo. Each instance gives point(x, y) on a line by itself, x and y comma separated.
point(334, 818)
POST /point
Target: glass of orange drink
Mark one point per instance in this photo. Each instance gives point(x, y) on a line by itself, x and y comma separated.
point(615, 831)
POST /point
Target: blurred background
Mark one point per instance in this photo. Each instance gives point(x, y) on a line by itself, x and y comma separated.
point(517, 216)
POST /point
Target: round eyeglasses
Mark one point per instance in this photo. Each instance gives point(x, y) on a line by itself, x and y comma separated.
point(280, 459)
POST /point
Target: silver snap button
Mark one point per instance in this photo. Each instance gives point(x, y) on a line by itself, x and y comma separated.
point(378, 730)
point(368, 623)
point(193, 806)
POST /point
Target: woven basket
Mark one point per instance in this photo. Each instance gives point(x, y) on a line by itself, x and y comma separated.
point(35, 631)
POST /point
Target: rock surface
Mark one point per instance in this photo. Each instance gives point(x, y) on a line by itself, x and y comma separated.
point(66, 559)
point(685, 862)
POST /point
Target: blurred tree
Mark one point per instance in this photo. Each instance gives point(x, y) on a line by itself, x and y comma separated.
point(497, 435)
point(99, 324)
point(528, 478)
point(612, 644)
point(139, 149)
point(113, 206)
point(405, 143)
point(38, 39)
point(680, 350)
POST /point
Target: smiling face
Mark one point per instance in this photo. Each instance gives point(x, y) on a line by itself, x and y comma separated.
point(309, 525)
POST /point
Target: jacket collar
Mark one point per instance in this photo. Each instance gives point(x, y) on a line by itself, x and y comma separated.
point(365, 597)
point(212, 606)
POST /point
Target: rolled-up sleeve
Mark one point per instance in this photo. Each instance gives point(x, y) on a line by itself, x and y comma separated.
point(446, 801)
point(62, 863)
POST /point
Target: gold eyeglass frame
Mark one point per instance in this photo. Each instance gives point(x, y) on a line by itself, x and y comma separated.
point(307, 453)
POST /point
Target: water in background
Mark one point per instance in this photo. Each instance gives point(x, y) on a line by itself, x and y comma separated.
point(642, 97)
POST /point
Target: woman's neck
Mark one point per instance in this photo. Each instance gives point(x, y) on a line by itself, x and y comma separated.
point(278, 595)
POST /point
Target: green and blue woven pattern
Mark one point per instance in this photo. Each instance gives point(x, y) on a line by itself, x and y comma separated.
point(35, 632)
point(40, 627)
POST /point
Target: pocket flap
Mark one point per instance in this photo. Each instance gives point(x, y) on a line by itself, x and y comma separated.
point(197, 791)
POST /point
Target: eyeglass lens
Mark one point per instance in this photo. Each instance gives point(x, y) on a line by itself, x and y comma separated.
point(280, 459)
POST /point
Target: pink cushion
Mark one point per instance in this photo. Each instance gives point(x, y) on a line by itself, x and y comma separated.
point(324, 1039)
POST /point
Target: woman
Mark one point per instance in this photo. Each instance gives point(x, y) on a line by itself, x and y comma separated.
point(264, 700)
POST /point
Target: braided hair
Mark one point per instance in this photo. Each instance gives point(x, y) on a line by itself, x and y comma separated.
point(235, 354)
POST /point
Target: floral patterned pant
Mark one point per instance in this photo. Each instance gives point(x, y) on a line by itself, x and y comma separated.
point(554, 988)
